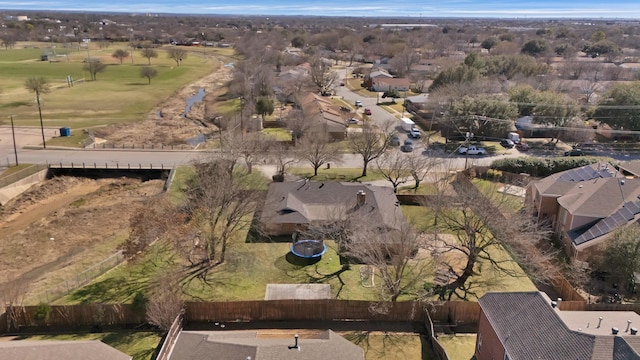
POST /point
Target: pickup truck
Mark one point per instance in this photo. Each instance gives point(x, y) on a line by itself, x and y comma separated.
point(472, 150)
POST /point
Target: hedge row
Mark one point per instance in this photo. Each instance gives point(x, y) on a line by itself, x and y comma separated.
point(542, 167)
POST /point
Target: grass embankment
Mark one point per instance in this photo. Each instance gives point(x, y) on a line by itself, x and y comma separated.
point(118, 95)
point(140, 345)
point(459, 346)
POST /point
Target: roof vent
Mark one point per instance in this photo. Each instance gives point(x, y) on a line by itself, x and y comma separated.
point(599, 321)
point(614, 331)
point(634, 331)
point(628, 325)
point(554, 304)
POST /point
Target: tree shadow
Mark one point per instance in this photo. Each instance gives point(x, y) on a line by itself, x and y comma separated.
point(137, 83)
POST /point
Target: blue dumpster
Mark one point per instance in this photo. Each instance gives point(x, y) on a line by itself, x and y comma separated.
point(65, 131)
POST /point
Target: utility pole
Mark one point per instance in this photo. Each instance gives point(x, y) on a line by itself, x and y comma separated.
point(44, 143)
point(241, 118)
point(13, 134)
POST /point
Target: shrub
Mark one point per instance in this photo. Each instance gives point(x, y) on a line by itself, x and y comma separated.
point(542, 167)
point(42, 312)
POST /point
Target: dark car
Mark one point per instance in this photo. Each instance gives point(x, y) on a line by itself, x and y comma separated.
point(574, 152)
point(408, 146)
point(506, 143)
point(522, 146)
point(394, 140)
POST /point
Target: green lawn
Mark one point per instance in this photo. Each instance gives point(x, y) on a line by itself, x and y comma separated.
point(140, 345)
point(505, 202)
point(119, 94)
point(339, 174)
point(279, 134)
point(460, 346)
point(389, 346)
point(489, 278)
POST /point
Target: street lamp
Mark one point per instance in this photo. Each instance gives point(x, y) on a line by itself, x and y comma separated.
point(13, 135)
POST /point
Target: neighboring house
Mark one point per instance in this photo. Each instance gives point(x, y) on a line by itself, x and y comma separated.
point(387, 84)
point(584, 205)
point(294, 206)
point(528, 325)
point(323, 117)
point(264, 345)
point(375, 74)
point(59, 350)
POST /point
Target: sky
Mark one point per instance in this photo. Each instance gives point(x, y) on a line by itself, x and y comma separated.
point(593, 9)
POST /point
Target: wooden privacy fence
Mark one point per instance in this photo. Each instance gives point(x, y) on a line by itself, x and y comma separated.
point(71, 317)
point(455, 316)
point(304, 310)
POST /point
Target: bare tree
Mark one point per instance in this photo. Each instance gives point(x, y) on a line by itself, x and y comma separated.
point(12, 294)
point(220, 204)
point(9, 39)
point(149, 53)
point(120, 54)
point(388, 250)
point(251, 148)
point(371, 143)
point(148, 72)
point(298, 123)
point(165, 303)
point(420, 167)
point(479, 229)
point(589, 88)
point(577, 131)
point(394, 167)
point(317, 150)
point(321, 76)
point(177, 54)
point(93, 67)
point(283, 158)
point(403, 61)
point(155, 220)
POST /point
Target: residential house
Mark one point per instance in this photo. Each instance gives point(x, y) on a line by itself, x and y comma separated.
point(584, 205)
point(529, 325)
point(383, 84)
point(294, 206)
point(264, 345)
point(324, 117)
point(375, 74)
point(59, 350)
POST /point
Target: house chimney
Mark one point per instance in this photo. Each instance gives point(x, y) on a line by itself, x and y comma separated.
point(634, 331)
point(295, 345)
point(628, 325)
point(361, 198)
point(599, 321)
point(614, 331)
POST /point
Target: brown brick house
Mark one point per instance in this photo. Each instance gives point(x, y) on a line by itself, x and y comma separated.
point(584, 205)
point(528, 325)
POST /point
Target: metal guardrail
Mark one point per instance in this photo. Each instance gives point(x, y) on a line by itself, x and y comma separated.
point(96, 165)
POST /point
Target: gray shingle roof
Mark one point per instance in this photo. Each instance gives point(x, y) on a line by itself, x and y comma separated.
point(59, 350)
point(307, 202)
point(530, 329)
point(200, 345)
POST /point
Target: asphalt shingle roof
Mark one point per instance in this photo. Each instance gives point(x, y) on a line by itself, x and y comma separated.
point(59, 350)
point(200, 345)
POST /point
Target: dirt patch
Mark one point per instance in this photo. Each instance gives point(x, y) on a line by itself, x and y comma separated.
point(165, 124)
point(56, 224)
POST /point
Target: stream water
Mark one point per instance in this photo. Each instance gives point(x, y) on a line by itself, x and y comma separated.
point(196, 98)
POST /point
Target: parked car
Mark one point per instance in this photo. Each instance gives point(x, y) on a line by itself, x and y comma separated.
point(394, 140)
point(506, 143)
point(574, 152)
point(344, 109)
point(358, 103)
point(415, 133)
point(522, 146)
point(353, 121)
point(408, 146)
point(367, 111)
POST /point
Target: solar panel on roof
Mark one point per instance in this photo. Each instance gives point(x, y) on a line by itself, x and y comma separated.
point(618, 218)
point(633, 207)
point(628, 214)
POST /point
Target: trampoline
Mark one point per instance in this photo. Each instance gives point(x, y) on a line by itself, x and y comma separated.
point(308, 249)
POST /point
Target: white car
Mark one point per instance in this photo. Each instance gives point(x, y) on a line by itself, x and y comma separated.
point(358, 103)
point(353, 121)
point(415, 133)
